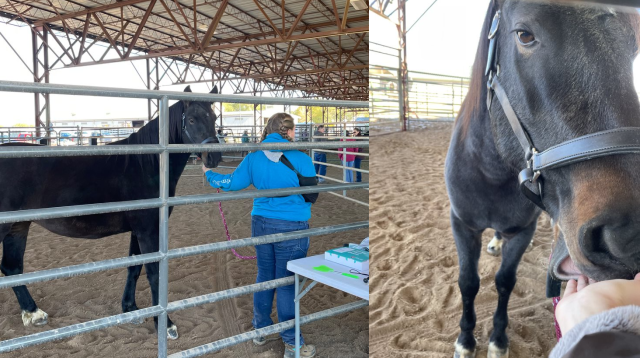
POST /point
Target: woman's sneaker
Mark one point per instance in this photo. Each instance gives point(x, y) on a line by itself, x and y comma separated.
point(306, 351)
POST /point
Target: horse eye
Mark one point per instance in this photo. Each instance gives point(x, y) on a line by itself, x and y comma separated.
point(191, 120)
point(525, 37)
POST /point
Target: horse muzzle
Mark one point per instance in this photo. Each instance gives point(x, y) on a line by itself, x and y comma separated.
point(210, 159)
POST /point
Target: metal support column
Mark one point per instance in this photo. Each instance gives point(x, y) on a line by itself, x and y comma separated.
point(404, 73)
point(40, 51)
point(401, 107)
point(163, 285)
point(153, 71)
point(254, 130)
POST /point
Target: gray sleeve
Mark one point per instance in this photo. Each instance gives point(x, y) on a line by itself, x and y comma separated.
point(620, 319)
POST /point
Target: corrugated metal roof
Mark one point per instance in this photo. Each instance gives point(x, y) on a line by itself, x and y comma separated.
point(252, 39)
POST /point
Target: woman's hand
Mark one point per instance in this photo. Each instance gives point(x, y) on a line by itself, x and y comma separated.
point(205, 169)
point(582, 300)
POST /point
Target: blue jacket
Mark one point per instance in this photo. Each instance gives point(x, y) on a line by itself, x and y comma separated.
point(265, 171)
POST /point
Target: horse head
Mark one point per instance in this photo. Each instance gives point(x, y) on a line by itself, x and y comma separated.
point(199, 127)
point(567, 72)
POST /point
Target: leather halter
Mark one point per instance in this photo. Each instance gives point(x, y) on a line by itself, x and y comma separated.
point(624, 140)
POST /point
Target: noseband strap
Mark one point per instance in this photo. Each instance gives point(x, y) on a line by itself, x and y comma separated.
point(625, 140)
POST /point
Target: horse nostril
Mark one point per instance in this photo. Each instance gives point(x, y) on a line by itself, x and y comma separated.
point(610, 241)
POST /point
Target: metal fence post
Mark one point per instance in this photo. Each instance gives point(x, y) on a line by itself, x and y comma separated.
point(163, 285)
point(400, 90)
point(344, 165)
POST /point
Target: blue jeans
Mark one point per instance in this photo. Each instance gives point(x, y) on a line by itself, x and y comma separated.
point(348, 173)
point(320, 157)
point(272, 264)
point(356, 164)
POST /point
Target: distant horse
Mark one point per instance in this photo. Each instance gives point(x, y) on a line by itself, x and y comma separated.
point(567, 72)
point(34, 183)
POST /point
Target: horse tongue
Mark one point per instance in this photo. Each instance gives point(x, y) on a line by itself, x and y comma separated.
point(568, 268)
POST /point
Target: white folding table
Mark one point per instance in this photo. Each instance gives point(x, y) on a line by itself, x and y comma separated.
point(305, 267)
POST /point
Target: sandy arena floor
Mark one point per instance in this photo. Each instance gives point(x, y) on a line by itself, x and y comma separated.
point(416, 305)
point(88, 297)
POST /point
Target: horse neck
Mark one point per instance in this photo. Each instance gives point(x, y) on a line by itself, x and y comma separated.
point(148, 134)
point(480, 147)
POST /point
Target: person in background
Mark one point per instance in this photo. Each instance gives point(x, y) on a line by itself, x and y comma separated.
point(358, 160)
point(245, 139)
point(348, 160)
point(221, 136)
point(319, 136)
point(265, 170)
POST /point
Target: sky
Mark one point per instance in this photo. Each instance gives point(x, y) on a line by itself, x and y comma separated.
point(444, 41)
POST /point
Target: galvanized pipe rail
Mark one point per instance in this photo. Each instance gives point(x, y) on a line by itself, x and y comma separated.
point(163, 202)
point(50, 88)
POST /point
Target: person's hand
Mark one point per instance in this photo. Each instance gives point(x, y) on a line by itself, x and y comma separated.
point(205, 169)
point(582, 300)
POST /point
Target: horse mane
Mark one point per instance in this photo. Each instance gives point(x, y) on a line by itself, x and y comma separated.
point(148, 134)
point(474, 103)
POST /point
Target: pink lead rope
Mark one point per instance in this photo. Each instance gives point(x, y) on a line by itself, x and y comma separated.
point(555, 301)
point(226, 229)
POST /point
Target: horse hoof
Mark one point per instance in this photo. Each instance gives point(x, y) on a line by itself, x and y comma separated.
point(530, 247)
point(462, 352)
point(37, 318)
point(495, 352)
point(172, 332)
point(495, 247)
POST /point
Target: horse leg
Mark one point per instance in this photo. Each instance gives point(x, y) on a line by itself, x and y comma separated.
point(512, 252)
point(133, 273)
point(149, 243)
point(469, 245)
point(13, 246)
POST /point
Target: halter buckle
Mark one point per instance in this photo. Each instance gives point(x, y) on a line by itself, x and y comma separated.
point(495, 24)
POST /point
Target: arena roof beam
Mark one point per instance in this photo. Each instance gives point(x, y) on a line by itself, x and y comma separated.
point(297, 20)
point(302, 72)
point(174, 51)
point(140, 28)
point(114, 5)
point(214, 24)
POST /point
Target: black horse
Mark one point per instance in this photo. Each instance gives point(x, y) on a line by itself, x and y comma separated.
point(33, 183)
point(567, 72)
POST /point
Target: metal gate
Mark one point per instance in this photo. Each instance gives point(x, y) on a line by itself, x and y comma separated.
point(163, 202)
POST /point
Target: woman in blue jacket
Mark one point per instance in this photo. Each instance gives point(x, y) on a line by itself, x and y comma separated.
point(264, 170)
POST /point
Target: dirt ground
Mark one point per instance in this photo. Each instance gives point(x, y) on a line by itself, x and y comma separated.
point(87, 297)
point(415, 301)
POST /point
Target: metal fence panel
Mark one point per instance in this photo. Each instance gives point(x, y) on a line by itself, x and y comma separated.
point(163, 202)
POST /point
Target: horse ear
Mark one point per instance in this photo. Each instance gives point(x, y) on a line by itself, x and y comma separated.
point(186, 103)
point(214, 90)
